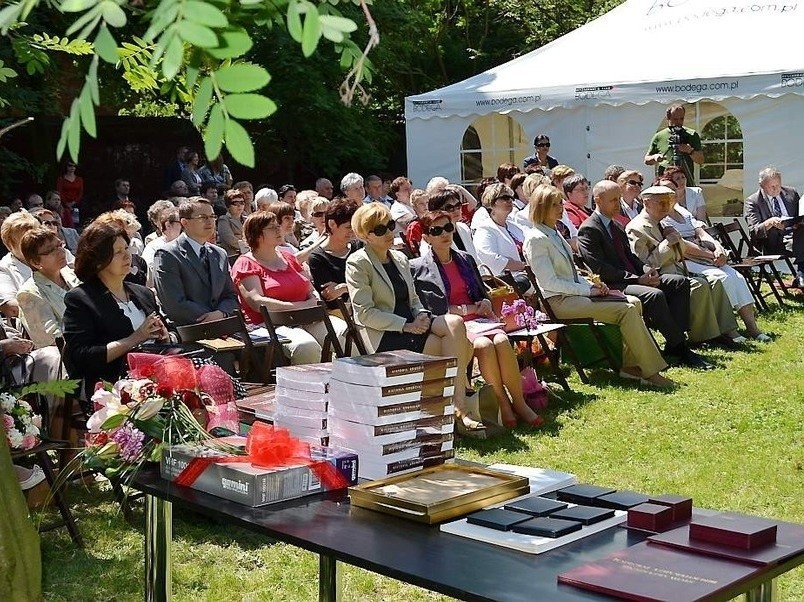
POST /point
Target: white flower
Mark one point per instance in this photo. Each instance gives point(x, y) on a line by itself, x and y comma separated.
point(32, 430)
point(110, 405)
point(7, 402)
point(14, 438)
point(149, 408)
point(25, 405)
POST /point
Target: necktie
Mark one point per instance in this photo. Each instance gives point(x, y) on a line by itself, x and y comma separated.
point(203, 255)
point(619, 248)
point(777, 210)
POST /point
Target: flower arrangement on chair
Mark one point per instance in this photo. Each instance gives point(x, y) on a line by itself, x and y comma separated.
point(524, 315)
point(21, 423)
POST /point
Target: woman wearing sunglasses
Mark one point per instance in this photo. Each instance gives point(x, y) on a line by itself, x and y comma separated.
point(230, 224)
point(448, 282)
point(571, 295)
point(630, 183)
point(450, 200)
point(386, 305)
point(318, 209)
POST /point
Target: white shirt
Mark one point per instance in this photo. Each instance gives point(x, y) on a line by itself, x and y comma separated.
point(782, 206)
point(495, 246)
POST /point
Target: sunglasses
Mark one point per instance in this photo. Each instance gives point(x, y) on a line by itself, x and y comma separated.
point(543, 145)
point(382, 229)
point(635, 183)
point(452, 207)
point(318, 213)
point(439, 230)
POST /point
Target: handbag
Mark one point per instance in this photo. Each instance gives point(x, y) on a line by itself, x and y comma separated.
point(500, 292)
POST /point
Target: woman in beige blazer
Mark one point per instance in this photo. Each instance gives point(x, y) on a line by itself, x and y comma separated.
point(571, 295)
point(386, 305)
point(230, 225)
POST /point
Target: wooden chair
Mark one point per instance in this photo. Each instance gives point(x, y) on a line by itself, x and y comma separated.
point(300, 318)
point(352, 335)
point(752, 251)
point(564, 340)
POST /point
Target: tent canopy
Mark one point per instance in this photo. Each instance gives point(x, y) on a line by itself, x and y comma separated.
point(639, 52)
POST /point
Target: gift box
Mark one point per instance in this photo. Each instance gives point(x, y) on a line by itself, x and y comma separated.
point(242, 482)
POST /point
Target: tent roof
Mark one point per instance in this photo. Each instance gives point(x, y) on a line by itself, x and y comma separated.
point(642, 51)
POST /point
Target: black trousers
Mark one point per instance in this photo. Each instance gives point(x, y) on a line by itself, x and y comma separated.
point(665, 308)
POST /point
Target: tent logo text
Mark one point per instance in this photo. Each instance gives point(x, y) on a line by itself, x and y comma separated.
point(792, 80)
point(427, 106)
point(593, 92)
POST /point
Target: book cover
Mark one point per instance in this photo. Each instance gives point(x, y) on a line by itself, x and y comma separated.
point(393, 367)
point(305, 377)
point(427, 443)
point(371, 414)
point(647, 573)
point(340, 392)
point(536, 506)
point(586, 515)
point(498, 519)
point(547, 527)
point(621, 500)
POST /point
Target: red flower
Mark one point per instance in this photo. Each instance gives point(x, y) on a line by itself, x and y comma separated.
point(191, 400)
point(164, 390)
point(97, 438)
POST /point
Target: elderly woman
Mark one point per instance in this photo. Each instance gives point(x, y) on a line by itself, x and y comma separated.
point(230, 225)
point(353, 187)
point(13, 269)
point(270, 275)
point(689, 197)
point(386, 305)
point(498, 242)
point(155, 213)
point(571, 295)
point(41, 297)
point(328, 262)
point(106, 317)
point(448, 281)
point(138, 272)
point(704, 255)
point(316, 210)
point(170, 229)
point(402, 208)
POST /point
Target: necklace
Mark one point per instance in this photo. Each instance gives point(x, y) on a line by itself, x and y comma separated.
point(124, 300)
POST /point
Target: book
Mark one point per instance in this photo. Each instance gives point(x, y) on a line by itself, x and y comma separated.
point(732, 529)
point(547, 527)
point(647, 573)
point(650, 517)
point(614, 295)
point(789, 542)
point(305, 377)
point(222, 344)
point(393, 368)
point(536, 506)
point(621, 500)
point(296, 395)
point(496, 518)
point(582, 493)
point(542, 480)
point(341, 392)
point(679, 504)
point(433, 425)
point(482, 326)
point(308, 422)
point(426, 444)
point(379, 470)
point(261, 335)
point(586, 515)
point(397, 412)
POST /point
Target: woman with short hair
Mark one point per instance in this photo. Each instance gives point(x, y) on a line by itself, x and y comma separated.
point(230, 225)
point(13, 269)
point(328, 262)
point(386, 305)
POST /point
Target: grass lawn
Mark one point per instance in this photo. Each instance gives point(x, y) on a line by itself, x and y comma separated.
point(730, 438)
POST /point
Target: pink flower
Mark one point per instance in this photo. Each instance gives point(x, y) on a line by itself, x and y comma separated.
point(8, 422)
point(28, 442)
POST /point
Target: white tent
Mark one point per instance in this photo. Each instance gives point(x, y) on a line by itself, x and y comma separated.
point(600, 92)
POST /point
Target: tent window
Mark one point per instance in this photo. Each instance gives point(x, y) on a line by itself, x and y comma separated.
point(722, 140)
point(471, 156)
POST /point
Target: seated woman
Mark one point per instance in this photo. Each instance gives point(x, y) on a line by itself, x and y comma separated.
point(41, 297)
point(138, 272)
point(449, 199)
point(704, 255)
point(498, 242)
point(230, 225)
point(285, 216)
point(570, 294)
point(317, 207)
point(448, 281)
point(106, 316)
point(386, 305)
point(13, 269)
point(689, 197)
point(328, 262)
point(271, 276)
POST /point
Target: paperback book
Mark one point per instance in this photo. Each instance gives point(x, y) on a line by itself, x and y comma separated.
point(340, 392)
point(393, 368)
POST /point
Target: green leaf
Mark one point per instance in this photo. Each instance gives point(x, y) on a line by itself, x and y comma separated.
point(87, 111)
point(249, 106)
point(239, 143)
point(204, 14)
point(202, 99)
point(76, 6)
point(191, 75)
point(62, 139)
point(174, 53)
point(106, 46)
point(311, 34)
point(242, 77)
point(197, 35)
point(231, 44)
point(294, 21)
point(333, 28)
point(74, 135)
point(113, 421)
point(113, 14)
point(213, 134)
point(92, 80)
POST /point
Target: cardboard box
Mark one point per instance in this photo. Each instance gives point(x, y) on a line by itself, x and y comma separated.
point(252, 486)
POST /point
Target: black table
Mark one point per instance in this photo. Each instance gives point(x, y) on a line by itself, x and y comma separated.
point(419, 554)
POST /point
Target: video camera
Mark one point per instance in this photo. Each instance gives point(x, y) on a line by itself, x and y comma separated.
point(678, 136)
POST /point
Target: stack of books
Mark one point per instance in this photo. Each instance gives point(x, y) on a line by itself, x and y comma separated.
point(302, 401)
point(394, 409)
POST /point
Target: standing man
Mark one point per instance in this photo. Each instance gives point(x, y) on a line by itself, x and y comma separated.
point(665, 297)
point(675, 145)
point(541, 156)
point(768, 212)
point(192, 276)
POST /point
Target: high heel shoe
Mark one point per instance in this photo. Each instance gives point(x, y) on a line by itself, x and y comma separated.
point(467, 426)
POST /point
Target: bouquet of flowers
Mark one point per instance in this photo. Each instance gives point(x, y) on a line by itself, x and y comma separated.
point(21, 424)
point(167, 400)
point(524, 315)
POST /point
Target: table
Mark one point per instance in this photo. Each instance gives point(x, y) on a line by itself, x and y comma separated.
point(418, 554)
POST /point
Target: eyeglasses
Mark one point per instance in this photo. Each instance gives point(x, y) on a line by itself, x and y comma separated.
point(207, 218)
point(505, 197)
point(543, 145)
point(273, 228)
point(318, 213)
point(241, 203)
point(383, 229)
point(452, 207)
point(439, 230)
point(51, 251)
point(635, 183)
point(49, 223)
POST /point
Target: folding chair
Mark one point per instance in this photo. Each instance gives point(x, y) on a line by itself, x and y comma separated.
point(352, 335)
point(752, 250)
point(562, 335)
point(299, 318)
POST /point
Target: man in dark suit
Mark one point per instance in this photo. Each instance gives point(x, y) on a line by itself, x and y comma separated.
point(191, 275)
point(665, 297)
point(767, 211)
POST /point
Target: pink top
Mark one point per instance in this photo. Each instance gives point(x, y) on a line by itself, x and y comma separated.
point(458, 291)
point(289, 284)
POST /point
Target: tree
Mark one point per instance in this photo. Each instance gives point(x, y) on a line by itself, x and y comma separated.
point(188, 51)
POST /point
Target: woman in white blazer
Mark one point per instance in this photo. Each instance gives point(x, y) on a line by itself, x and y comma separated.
point(386, 305)
point(571, 295)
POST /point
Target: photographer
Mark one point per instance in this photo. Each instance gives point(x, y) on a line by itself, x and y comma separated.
point(675, 145)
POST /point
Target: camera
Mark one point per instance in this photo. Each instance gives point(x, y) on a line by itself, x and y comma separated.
point(678, 136)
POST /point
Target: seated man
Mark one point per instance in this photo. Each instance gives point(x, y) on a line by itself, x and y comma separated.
point(665, 297)
point(192, 276)
point(712, 318)
point(766, 211)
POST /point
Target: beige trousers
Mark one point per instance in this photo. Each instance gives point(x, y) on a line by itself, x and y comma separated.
point(710, 309)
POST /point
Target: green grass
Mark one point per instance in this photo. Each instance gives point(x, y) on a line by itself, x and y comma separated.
point(730, 438)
